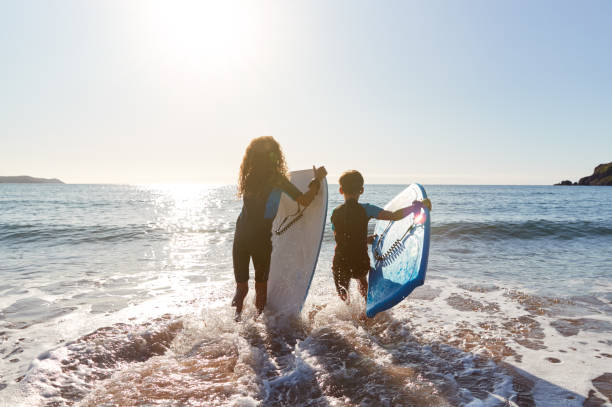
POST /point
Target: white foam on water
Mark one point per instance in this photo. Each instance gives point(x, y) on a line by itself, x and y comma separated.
point(44, 369)
point(578, 365)
point(432, 348)
point(579, 355)
point(245, 402)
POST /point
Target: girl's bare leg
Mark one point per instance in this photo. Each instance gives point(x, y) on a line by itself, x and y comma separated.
point(241, 291)
point(261, 296)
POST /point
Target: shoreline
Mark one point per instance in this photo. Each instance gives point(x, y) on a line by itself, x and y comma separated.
point(513, 330)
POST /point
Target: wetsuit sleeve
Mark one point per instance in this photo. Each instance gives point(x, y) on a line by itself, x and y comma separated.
point(333, 219)
point(282, 185)
point(372, 211)
point(287, 187)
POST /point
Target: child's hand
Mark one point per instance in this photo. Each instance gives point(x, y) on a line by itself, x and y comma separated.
point(427, 203)
point(424, 203)
point(320, 172)
point(371, 238)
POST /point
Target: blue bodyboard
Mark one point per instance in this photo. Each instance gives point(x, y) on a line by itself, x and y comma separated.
point(399, 253)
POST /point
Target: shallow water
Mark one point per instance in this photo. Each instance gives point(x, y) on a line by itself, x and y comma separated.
point(119, 295)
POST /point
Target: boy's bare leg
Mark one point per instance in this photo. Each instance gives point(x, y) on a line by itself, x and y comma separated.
point(363, 290)
point(342, 281)
point(343, 294)
point(241, 291)
point(363, 287)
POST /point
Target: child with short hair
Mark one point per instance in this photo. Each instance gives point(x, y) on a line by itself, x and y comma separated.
point(350, 226)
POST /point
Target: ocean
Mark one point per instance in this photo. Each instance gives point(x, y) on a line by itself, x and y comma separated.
point(119, 295)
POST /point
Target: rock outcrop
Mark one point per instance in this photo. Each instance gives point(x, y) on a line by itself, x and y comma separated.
point(602, 175)
point(25, 179)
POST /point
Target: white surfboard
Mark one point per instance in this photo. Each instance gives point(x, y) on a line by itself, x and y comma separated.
point(297, 234)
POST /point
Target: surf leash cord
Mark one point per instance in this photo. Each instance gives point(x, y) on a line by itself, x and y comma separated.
point(396, 248)
point(286, 223)
point(299, 214)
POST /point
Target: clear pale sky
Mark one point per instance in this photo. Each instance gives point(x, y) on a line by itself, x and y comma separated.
point(445, 92)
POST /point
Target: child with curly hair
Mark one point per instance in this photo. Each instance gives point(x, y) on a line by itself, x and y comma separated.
point(263, 177)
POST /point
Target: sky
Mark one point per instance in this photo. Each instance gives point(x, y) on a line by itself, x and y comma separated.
point(437, 92)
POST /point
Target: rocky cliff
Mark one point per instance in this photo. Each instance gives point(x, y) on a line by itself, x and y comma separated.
point(602, 175)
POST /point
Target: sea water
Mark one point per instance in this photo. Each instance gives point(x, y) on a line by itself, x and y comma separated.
point(120, 295)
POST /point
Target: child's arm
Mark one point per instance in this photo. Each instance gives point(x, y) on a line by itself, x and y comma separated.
point(306, 198)
point(402, 213)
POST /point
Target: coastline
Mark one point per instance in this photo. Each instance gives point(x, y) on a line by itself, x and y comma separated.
point(26, 179)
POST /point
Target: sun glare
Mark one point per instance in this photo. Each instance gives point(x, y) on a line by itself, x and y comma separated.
point(212, 35)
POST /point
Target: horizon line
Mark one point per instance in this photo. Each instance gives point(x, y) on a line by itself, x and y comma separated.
point(233, 184)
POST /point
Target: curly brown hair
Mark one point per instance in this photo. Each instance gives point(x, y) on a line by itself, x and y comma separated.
point(262, 162)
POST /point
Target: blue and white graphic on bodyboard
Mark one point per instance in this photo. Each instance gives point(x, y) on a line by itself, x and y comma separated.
point(399, 253)
point(297, 234)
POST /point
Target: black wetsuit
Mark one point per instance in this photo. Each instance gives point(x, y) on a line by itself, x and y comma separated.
point(252, 238)
point(350, 223)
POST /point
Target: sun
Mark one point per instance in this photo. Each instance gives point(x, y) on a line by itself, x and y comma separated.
point(209, 35)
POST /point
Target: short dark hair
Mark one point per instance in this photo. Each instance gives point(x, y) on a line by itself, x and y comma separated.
point(351, 182)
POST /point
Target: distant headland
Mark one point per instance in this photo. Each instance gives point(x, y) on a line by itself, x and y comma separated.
point(602, 175)
point(25, 179)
